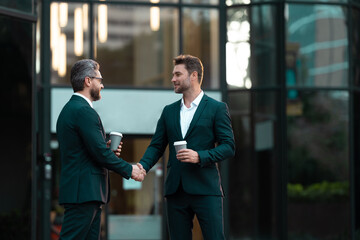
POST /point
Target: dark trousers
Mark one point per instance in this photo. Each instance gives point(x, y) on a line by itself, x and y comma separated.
point(181, 209)
point(81, 221)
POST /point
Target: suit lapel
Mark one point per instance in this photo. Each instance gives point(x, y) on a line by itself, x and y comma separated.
point(197, 114)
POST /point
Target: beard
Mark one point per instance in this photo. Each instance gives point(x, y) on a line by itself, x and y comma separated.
point(184, 86)
point(95, 94)
point(179, 89)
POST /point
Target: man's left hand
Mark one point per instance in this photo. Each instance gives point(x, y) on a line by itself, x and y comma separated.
point(118, 150)
point(188, 155)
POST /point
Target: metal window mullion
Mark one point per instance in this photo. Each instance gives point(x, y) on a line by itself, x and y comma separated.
point(282, 150)
point(91, 30)
point(351, 128)
point(181, 39)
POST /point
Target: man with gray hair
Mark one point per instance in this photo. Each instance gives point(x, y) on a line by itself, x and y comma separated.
point(86, 157)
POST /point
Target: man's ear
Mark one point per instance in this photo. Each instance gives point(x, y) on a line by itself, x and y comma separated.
point(194, 74)
point(87, 82)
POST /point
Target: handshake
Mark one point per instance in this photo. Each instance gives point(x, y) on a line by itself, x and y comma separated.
point(138, 172)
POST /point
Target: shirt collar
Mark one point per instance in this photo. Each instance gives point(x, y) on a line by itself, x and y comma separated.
point(88, 100)
point(196, 101)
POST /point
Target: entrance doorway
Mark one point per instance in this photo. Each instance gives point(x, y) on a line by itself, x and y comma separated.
point(135, 210)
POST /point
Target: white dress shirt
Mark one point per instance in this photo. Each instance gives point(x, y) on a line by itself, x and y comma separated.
point(88, 100)
point(187, 114)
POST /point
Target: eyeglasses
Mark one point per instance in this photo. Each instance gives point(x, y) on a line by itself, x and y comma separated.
point(100, 78)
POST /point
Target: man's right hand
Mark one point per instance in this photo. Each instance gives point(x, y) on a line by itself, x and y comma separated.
point(138, 173)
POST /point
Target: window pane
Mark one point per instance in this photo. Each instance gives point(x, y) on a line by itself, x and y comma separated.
point(134, 204)
point(253, 174)
point(357, 162)
point(232, 2)
point(241, 200)
point(69, 39)
point(201, 1)
point(138, 48)
point(356, 75)
point(152, 1)
point(318, 165)
point(356, 45)
point(16, 67)
point(201, 39)
point(316, 47)
point(251, 65)
point(334, 1)
point(20, 5)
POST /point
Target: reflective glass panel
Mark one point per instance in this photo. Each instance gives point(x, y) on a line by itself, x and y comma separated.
point(20, 5)
point(233, 2)
point(69, 38)
point(329, 1)
point(241, 185)
point(318, 165)
point(253, 173)
point(152, 1)
point(135, 45)
point(357, 162)
point(356, 74)
point(316, 46)
point(201, 39)
point(355, 35)
point(16, 67)
point(251, 65)
point(201, 1)
point(136, 204)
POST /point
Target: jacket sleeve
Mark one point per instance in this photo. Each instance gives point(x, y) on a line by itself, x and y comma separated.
point(157, 146)
point(91, 131)
point(224, 135)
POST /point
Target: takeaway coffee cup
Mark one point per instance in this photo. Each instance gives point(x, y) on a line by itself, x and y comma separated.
point(115, 138)
point(180, 145)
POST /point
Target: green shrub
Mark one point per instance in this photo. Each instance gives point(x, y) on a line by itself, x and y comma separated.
point(319, 192)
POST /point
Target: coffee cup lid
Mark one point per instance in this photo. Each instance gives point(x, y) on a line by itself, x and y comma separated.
point(180, 143)
point(116, 133)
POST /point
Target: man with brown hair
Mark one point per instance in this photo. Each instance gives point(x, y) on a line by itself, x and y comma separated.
point(193, 184)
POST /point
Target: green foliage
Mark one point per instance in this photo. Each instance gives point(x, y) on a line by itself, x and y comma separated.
point(305, 169)
point(319, 192)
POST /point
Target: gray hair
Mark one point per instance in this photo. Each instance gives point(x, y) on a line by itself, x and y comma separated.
point(80, 70)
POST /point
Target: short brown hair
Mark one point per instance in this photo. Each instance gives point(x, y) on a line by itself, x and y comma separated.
point(192, 64)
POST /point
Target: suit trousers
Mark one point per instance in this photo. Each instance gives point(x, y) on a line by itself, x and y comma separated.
point(81, 221)
point(181, 209)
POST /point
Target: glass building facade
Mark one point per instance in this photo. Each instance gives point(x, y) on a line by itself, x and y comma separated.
point(288, 70)
point(17, 167)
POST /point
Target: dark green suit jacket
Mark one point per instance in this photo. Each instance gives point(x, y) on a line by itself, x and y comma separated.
point(85, 159)
point(210, 134)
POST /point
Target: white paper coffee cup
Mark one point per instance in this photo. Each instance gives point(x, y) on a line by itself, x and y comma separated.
point(180, 145)
point(115, 138)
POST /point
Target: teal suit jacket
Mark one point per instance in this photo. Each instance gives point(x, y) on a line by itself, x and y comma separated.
point(85, 158)
point(210, 134)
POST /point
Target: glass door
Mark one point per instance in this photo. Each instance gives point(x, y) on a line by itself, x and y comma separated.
point(135, 210)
